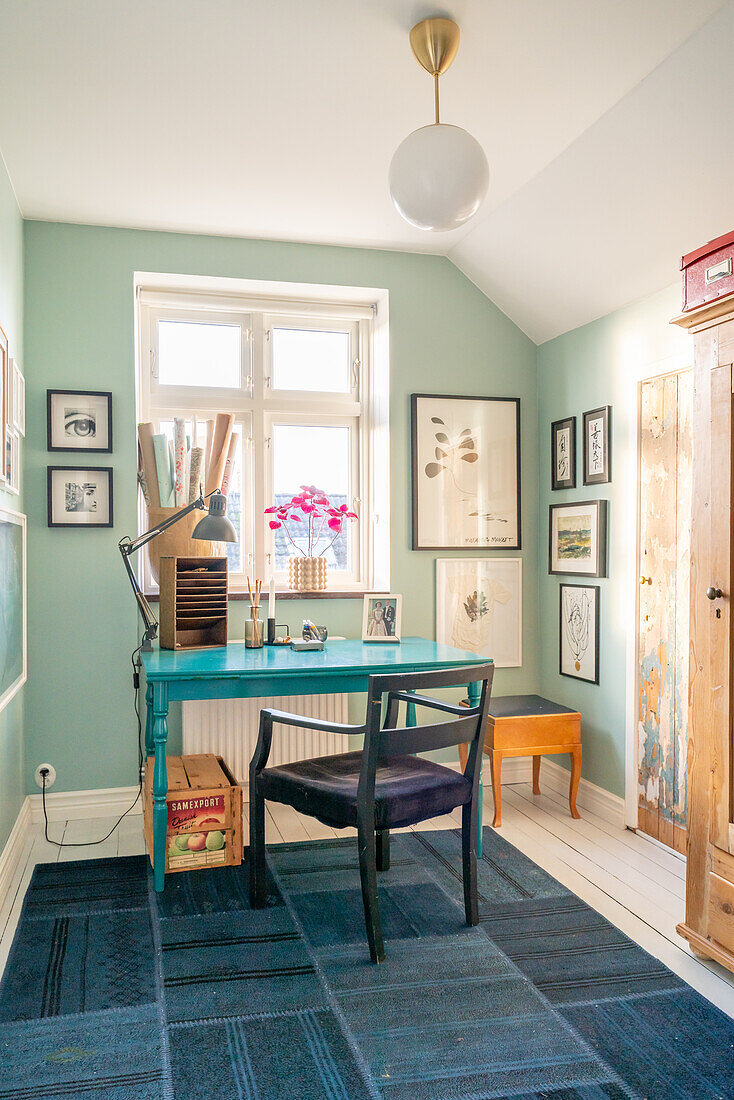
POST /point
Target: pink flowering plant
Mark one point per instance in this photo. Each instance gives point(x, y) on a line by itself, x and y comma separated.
point(312, 509)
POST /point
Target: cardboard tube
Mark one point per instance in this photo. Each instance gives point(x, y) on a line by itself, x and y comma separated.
point(145, 436)
point(220, 446)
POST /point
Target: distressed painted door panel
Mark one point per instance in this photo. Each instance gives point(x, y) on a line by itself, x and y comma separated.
point(665, 508)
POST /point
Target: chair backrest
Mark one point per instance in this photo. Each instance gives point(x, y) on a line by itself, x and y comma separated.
point(385, 739)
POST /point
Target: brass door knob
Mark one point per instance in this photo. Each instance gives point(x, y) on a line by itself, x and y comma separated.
point(645, 580)
point(714, 593)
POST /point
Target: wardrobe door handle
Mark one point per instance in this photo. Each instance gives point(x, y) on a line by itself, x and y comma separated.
point(714, 593)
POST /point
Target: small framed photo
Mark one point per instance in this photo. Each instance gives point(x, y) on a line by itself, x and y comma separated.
point(479, 607)
point(579, 632)
point(79, 496)
point(381, 618)
point(597, 448)
point(577, 538)
point(79, 420)
point(563, 453)
point(12, 460)
point(16, 400)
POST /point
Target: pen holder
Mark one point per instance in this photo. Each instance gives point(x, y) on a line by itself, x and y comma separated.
point(254, 629)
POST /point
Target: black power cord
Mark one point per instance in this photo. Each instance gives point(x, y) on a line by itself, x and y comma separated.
point(136, 663)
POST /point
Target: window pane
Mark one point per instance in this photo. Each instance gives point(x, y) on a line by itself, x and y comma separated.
point(197, 438)
point(197, 353)
point(320, 456)
point(307, 360)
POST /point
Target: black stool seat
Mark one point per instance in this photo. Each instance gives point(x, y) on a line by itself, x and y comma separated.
point(408, 789)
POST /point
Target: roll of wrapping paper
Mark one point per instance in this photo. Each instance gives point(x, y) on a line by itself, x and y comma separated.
point(220, 448)
point(163, 468)
point(147, 453)
point(206, 461)
point(197, 456)
point(142, 480)
point(229, 464)
point(179, 460)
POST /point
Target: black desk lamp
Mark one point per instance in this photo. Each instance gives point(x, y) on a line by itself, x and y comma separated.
point(214, 527)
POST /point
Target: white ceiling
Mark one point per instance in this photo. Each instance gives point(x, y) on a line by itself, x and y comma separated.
point(607, 124)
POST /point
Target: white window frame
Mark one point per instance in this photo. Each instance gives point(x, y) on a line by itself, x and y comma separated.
point(256, 307)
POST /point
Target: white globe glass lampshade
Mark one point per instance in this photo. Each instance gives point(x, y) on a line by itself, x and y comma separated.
point(438, 177)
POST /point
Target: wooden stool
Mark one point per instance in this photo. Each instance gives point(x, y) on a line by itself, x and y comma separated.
point(527, 725)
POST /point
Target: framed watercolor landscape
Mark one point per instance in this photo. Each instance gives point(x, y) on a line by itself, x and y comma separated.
point(466, 472)
point(577, 538)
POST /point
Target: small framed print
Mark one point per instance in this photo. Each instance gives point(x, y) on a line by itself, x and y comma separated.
point(16, 406)
point(381, 618)
point(579, 632)
point(577, 538)
point(12, 460)
point(563, 453)
point(79, 496)
point(479, 607)
point(79, 420)
point(597, 449)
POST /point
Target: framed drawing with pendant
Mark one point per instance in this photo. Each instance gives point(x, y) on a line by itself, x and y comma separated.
point(597, 446)
point(466, 472)
point(563, 453)
point(579, 632)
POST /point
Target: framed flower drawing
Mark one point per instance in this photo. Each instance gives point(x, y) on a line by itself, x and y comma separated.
point(466, 472)
point(479, 607)
point(579, 632)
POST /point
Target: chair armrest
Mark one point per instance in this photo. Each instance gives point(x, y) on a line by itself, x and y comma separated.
point(433, 704)
point(283, 718)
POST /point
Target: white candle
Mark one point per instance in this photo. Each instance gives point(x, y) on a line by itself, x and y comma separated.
point(271, 599)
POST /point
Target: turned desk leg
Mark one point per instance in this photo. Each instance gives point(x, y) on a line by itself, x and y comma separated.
point(149, 744)
point(495, 770)
point(575, 755)
point(160, 783)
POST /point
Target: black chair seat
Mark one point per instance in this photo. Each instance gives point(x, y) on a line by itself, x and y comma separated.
point(407, 789)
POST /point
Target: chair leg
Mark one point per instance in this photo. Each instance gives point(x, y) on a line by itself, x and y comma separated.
point(469, 861)
point(258, 870)
point(383, 849)
point(368, 875)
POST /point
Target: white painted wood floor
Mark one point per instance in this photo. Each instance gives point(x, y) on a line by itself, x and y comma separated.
point(633, 882)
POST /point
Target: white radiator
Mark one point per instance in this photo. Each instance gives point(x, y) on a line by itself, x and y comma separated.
point(229, 728)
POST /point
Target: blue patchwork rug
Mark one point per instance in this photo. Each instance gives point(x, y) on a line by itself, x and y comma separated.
point(112, 991)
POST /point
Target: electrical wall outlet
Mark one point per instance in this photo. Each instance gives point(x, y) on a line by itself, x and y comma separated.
point(50, 773)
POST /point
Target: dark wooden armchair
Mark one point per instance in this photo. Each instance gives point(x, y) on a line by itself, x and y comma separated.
point(383, 786)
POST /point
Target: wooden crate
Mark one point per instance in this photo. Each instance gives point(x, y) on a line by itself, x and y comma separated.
point(193, 609)
point(203, 798)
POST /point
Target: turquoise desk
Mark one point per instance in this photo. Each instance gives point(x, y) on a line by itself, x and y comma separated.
point(234, 672)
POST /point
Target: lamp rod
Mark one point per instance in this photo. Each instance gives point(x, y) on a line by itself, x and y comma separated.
point(129, 546)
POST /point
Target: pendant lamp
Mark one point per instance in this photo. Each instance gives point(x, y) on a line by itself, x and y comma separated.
point(439, 175)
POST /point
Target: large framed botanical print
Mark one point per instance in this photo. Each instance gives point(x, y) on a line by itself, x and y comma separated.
point(466, 472)
point(577, 538)
point(12, 604)
point(479, 607)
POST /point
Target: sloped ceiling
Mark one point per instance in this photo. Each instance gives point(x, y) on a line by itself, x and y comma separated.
point(606, 123)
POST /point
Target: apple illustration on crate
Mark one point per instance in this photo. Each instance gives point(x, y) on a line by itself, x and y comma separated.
point(197, 842)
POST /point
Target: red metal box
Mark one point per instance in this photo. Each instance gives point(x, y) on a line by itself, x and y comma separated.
point(708, 272)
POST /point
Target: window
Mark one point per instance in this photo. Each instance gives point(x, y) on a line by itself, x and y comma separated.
point(309, 397)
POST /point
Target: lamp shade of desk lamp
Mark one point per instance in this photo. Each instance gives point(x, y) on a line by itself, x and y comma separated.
point(215, 527)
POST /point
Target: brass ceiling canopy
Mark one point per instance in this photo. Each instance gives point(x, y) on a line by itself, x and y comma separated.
point(435, 43)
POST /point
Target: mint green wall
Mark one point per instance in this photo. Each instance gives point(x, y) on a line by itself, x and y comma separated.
point(601, 364)
point(445, 335)
point(11, 320)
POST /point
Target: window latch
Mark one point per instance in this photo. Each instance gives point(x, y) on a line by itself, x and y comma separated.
point(356, 365)
point(153, 363)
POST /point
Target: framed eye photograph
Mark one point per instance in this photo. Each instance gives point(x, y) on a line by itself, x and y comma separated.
point(79, 420)
point(79, 496)
point(579, 632)
point(381, 618)
point(563, 453)
point(577, 538)
point(597, 446)
point(466, 472)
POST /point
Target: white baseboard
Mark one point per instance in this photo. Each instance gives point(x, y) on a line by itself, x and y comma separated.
point(11, 853)
point(75, 805)
point(595, 799)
